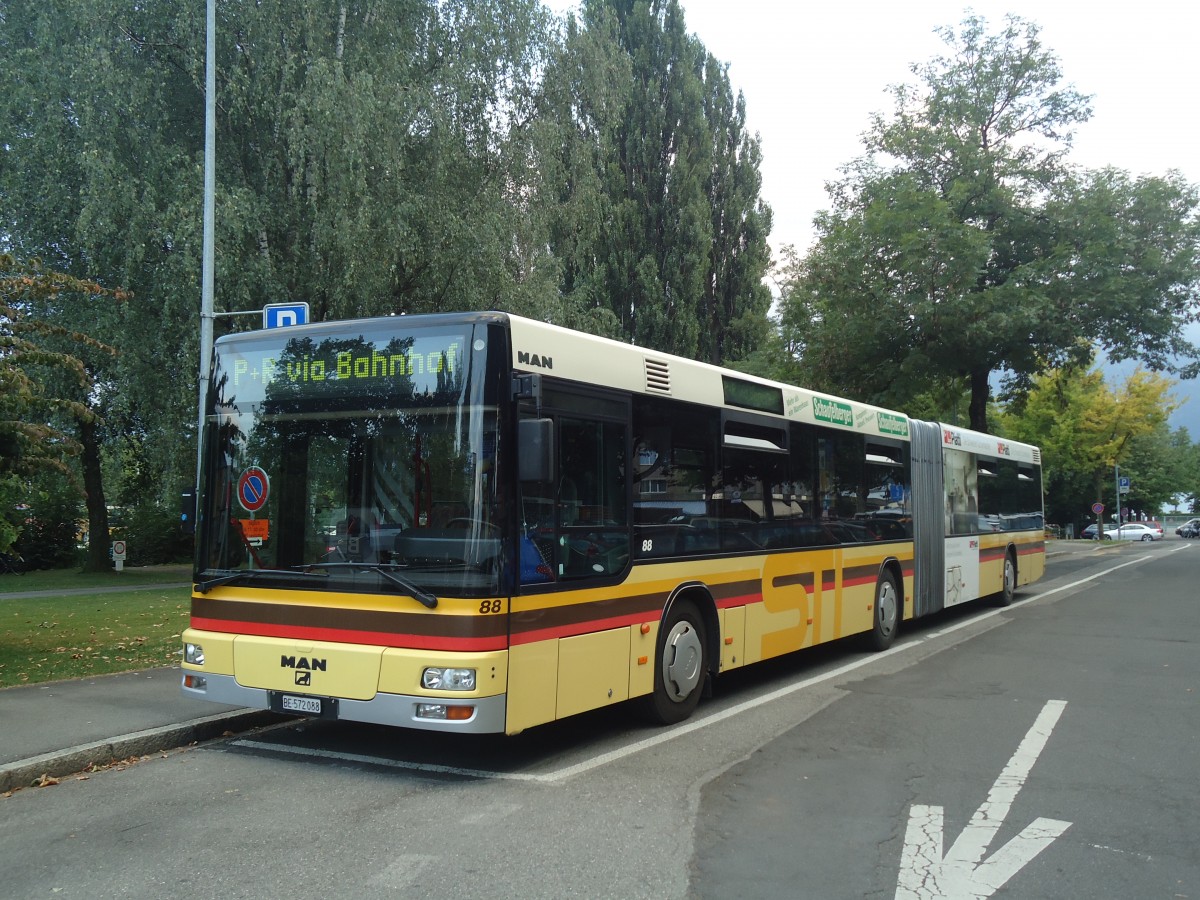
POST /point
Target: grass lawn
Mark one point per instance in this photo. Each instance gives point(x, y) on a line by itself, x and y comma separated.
point(56, 637)
point(73, 579)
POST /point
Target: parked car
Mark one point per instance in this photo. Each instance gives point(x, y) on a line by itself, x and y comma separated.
point(1189, 529)
point(1089, 533)
point(1134, 531)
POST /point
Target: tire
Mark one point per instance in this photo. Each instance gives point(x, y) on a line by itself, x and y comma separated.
point(886, 617)
point(1146, 537)
point(680, 666)
point(1009, 589)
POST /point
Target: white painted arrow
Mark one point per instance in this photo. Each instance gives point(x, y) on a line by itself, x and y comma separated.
point(963, 873)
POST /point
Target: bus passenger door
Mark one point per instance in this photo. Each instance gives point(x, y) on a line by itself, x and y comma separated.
point(574, 532)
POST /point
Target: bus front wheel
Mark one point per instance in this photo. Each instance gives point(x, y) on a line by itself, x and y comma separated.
point(887, 612)
point(680, 667)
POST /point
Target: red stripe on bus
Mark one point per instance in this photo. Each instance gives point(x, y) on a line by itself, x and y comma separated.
point(339, 636)
point(854, 582)
point(743, 600)
point(575, 629)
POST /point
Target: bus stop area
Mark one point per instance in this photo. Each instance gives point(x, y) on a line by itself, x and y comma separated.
point(59, 728)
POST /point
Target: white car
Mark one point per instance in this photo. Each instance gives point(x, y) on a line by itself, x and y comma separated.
point(1134, 531)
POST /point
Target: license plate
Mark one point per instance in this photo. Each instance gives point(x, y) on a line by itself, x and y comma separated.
point(309, 706)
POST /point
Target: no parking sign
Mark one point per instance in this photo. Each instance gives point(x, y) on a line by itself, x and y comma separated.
point(253, 489)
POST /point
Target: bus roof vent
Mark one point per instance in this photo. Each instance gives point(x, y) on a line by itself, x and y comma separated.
point(1037, 455)
point(658, 376)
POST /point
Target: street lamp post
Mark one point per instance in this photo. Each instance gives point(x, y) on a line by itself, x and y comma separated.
point(210, 180)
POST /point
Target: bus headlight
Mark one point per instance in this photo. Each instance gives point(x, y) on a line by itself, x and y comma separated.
point(442, 679)
point(194, 654)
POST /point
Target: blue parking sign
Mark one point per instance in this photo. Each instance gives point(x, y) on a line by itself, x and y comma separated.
point(280, 315)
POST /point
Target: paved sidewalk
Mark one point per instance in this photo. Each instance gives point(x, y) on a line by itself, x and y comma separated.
point(62, 727)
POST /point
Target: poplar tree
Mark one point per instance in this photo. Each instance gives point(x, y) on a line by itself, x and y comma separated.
point(651, 185)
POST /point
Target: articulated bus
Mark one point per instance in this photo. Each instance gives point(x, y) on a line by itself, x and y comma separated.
point(482, 523)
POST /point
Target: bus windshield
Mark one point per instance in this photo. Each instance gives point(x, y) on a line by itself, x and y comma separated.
point(351, 461)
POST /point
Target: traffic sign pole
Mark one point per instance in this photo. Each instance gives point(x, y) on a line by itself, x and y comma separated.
point(1117, 476)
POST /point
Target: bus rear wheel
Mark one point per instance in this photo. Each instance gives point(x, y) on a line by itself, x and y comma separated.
point(1009, 588)
point(887, 612)
point(680, 667)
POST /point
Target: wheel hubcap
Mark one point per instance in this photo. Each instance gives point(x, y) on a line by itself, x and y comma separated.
point(886, 605)
point(682, 654)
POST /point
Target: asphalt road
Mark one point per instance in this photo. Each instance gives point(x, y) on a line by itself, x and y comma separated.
point(1046, 750)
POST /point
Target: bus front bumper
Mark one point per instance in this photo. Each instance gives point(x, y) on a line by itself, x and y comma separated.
point(487, 714)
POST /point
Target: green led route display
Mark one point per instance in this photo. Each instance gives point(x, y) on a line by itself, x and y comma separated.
point(380, 366)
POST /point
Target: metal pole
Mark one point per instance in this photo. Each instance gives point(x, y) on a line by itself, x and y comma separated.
point(210, 160)
point(1117, 485)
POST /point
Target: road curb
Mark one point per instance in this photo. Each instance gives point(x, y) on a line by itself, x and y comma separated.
point(59, 763)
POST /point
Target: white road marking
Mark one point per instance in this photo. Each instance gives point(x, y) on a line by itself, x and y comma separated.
point(963, 873)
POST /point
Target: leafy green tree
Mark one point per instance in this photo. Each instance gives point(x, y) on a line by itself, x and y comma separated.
point(372, 156)
point(1084, 428)
point(655, 243)
point(46, 391)
point(586, 86)
point(1156, 468)
point(100, 180)
point(371, 160)
point(50, 522)
point(650, 185)
point(1186, 452)
point(391, 157)
point(736, 299)
point(962, 245)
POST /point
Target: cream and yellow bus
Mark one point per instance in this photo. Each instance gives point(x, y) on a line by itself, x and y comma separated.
point(482, 523)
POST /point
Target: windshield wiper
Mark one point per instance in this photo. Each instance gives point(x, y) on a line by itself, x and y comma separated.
point(205, 586)
point(421, 596)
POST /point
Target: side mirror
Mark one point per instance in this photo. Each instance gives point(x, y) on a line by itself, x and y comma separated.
point(535, 449)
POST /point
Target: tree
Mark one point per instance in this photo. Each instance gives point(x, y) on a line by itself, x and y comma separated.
point(736, 299)
point(575, 133)
point(650, 185)
point(383, 158)
point(1157, 466)
point(1084, 428)
point(99, 178)
point(655, 242)
point(962, 245)
point(44, 390)
point(372, 159)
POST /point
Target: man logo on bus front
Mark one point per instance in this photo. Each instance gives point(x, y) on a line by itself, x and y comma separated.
point(304, 679)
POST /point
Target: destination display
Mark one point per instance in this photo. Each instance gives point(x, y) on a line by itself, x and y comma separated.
point(284, 368)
